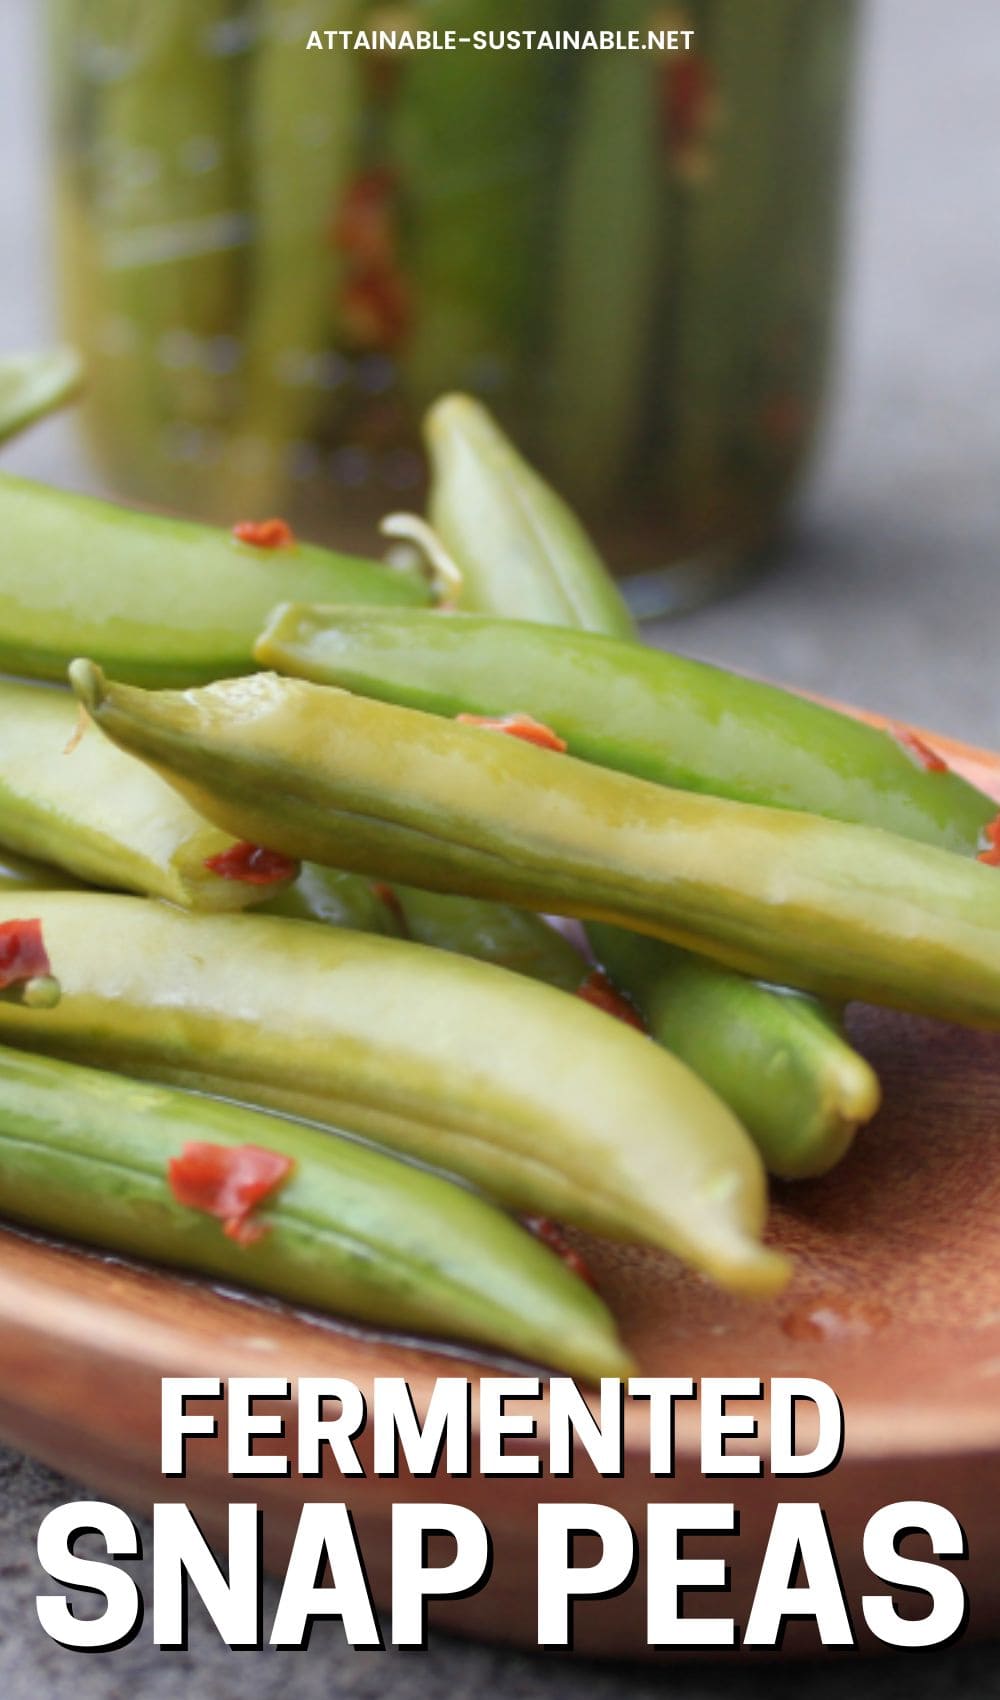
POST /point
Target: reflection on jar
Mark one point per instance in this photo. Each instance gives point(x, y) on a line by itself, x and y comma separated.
point(274, 258)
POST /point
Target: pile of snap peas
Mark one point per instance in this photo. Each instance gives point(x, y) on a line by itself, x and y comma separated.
point(290, 877)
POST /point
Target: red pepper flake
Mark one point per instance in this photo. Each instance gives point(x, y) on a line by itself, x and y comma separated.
point(265, 533)
point(364, 225)
point(690, 110)
point(598, 990)
point(252, 865)
point(386, 894)
point(23, 955)
point(991, 833)
point(518, 726)
point(783, 418)
point(546, 1231)
point(375, 298)
point(916, 747)
point(228, 1181)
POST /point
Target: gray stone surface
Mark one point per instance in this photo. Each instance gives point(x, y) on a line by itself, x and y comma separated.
point(887, 592)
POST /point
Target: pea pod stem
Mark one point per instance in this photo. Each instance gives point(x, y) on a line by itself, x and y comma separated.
point(841, 910)
point(85, 1153)
point(442, 1058)
point(98, 815)
point(161, 601)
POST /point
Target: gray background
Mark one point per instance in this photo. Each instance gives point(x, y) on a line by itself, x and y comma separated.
point(887, 591)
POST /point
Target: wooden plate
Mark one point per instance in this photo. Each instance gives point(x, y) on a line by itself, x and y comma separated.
point(895, 1303)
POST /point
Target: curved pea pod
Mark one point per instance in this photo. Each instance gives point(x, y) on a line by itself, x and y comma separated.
point(845, 911)
point(491, 932)
point(160, 601)
point(87, 1154)
point(778, 1059)
point(105, 818)
point(337, 900)
point(32, 385)
point(516, 543)
point(531, 1095)
point(640, 711)
point(18, 873)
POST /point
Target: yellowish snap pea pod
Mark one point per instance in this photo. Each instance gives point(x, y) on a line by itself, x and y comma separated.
point(533, 1096)
point(841, 910)
point(83, 806)
point(146, 1170)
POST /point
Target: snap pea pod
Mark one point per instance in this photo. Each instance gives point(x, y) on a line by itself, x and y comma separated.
point(533, 1096)
point(604, 292)
point(497, 518)
point(842, 910)
point(641, 711)
point(169, 226)
point(706, 1014)
point(18, 873)
point(778, 1059)
point(304, 124)
point(337, 900)
point(160, 601)
point(468, 135)
point(86, 1154)
point(723, 268)
point(101, 816)
point(32, 385)
point(490, 932)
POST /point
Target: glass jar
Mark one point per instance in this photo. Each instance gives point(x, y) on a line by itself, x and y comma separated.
point(274, 256)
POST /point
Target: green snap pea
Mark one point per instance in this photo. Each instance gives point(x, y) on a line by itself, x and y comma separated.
point(85, 1153)
point(19, 873)
point(778, 1059)
point(335, 899)
point(842, 910)
point(160, 601)
point(640, 711)
point(305, 123)
point(497, 518)
point(32, 385)
point(605, 292)
point(100, 816)
point(533, 1096)
point(797, 1086)
point(490, 932)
